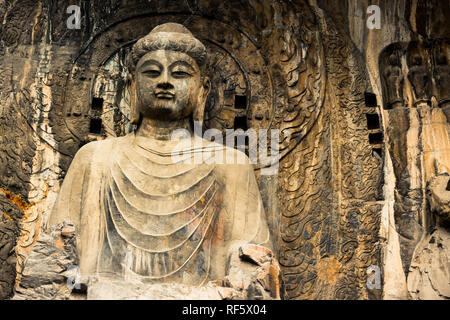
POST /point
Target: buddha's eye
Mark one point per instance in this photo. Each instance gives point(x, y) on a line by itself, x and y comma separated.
point(151, 73)
point(180, 74)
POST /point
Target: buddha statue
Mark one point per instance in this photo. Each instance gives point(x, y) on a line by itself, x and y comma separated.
point(141, 214)
point(394, 82)
point(442, 79)
point(420, 79)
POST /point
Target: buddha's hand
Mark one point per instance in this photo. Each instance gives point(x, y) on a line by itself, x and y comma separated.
point(253, 270)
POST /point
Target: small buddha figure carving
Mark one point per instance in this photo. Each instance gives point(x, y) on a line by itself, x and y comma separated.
point(142, 215)
point(442, 77)
point(394, 82)
point(420, 79)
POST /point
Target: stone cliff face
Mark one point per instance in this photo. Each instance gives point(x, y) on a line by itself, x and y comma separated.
point(363, 116)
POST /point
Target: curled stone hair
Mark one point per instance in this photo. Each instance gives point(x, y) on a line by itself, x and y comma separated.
point(168, 36)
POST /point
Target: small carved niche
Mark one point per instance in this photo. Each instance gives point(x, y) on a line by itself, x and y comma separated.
point(373, 121)
point(376, 138)
point(378, 151)
point(95, 126)
point(97, 104)
point(240, 102)
point(240, 122)
point(370, 99)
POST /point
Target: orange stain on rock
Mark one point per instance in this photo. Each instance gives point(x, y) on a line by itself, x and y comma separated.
point(8, 216)
point(17, 200)
point(328, 269)
point(59, 243)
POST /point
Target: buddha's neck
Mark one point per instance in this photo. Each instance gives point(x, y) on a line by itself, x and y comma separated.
point(160, 129)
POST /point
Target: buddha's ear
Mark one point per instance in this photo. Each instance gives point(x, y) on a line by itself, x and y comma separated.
point(131, 97)
point(202, 97)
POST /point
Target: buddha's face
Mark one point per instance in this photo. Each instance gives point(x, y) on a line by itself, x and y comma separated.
point(169, 85)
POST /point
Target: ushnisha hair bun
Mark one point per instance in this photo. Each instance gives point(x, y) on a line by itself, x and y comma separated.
point(168, 36)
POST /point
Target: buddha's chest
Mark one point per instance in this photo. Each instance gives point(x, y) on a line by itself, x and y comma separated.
point(160, 218)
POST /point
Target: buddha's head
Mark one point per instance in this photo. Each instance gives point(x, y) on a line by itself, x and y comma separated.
point(166, 78)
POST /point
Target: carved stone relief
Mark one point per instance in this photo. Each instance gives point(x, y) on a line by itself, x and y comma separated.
point(418, 132)
point(425, 66)
point(274, 65)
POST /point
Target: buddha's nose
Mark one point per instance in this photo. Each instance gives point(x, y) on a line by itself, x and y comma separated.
point(165, 85)
point(164, 81)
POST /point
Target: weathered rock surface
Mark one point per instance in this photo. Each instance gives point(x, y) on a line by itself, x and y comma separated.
point(438, 194)
point(429, 273)
point(253, 271)
point(51, 266)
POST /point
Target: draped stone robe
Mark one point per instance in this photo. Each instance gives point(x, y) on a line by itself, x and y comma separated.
point(141, 215)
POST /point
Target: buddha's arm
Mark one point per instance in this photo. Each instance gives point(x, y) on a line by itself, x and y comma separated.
point(249, 220)
point(79, 202)
point(250, 255)
point(69, 201)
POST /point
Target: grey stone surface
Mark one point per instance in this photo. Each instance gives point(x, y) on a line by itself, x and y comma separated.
point(50, 267)
point(429, 274)
point(126, 290)
point(251, 273)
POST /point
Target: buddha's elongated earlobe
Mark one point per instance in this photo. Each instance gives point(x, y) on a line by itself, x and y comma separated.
point(135, 115)
point(199, 111)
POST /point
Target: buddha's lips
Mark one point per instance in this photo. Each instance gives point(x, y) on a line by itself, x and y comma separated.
point(164, 95)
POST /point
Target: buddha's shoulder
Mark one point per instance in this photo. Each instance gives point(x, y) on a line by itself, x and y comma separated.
point(229, 162)
point(100, 148)
point(235, 156)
